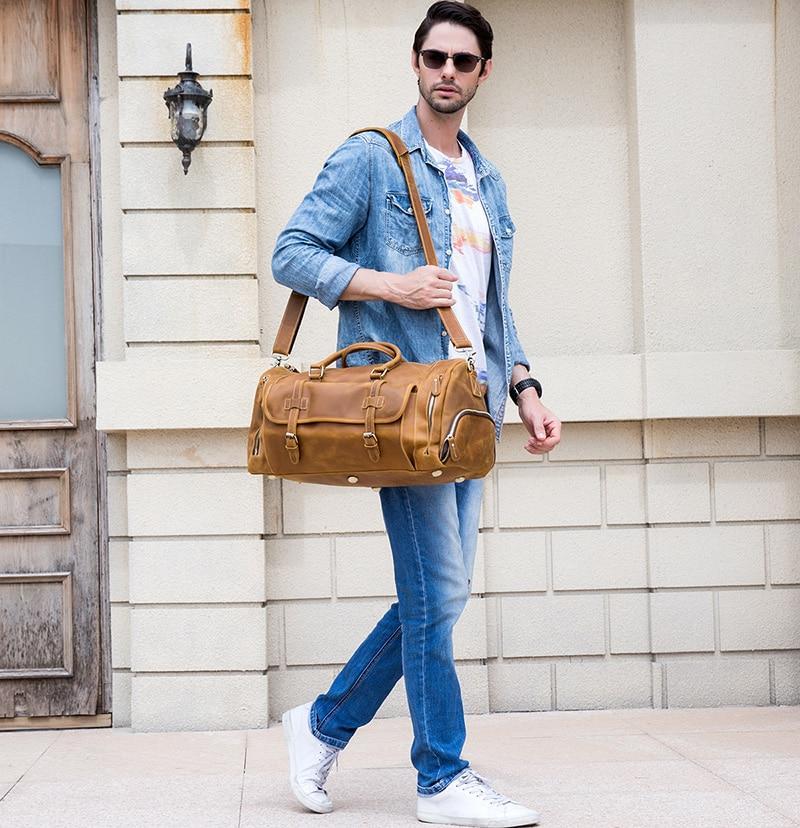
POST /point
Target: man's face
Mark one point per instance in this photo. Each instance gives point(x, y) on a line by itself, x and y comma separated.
point(446, 90)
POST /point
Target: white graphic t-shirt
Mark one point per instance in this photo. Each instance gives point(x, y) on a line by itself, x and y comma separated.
point(471, 242)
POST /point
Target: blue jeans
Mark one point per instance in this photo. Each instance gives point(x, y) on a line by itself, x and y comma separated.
point(433, 531)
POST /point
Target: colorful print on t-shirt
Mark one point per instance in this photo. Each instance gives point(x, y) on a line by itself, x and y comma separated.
point(471, 243)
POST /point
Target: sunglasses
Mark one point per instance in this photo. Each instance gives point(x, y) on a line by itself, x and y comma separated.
point(463, 61)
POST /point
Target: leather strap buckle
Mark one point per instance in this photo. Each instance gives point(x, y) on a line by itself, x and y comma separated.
point(292, 447)
point(372, 447)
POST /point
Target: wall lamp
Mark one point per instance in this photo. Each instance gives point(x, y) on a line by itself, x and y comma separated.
point(187, 103)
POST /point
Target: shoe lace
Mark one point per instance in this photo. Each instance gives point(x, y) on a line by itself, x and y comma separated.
point(476, 785)
point(326, 757)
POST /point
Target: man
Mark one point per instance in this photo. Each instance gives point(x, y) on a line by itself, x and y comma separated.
point(353, 242)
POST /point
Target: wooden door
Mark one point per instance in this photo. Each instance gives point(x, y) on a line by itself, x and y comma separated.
point(50, 596)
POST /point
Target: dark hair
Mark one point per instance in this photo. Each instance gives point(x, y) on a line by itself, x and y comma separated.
point(462, 14)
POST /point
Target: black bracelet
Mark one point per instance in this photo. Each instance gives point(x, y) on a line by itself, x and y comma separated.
point(529, 382)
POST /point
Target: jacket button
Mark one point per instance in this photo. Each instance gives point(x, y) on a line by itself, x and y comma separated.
point(449, 252)
point(444, 333)
point(447, 211)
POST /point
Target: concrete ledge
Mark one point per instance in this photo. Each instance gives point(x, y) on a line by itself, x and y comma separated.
point(218, 393)
point(210, 393)
point(723, 384)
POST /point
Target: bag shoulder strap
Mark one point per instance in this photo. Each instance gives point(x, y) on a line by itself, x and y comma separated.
point(296, 306)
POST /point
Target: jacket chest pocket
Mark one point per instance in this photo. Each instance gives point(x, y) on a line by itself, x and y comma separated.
point(400, 226)
point(505, 232)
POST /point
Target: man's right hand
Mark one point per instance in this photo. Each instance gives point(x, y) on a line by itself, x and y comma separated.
point(426, 287)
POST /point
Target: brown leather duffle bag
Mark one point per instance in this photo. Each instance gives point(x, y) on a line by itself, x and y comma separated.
point(395, 423)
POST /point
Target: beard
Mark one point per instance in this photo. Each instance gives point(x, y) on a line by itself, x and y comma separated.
point(449, 105)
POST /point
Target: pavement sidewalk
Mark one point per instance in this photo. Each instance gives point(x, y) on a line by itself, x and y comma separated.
point(711, 768)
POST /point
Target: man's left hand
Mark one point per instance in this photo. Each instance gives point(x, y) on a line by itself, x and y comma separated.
point(543, 426)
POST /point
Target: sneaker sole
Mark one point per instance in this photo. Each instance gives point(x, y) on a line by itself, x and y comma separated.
point(288, 733)
point(477, 822)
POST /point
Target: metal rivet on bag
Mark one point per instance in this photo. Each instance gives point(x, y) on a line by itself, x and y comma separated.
point(437, 473)
point(376, 488)
point(460, 479)
point(352, 479)
point(272, 477)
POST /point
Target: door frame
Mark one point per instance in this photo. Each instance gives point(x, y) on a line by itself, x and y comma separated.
point(104, 701)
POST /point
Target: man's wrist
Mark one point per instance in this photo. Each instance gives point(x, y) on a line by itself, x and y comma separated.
point(367, 284)
point(526, 394)
point(389, 290)
point(527, 385)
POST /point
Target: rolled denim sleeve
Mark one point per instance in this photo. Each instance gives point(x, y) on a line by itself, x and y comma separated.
point(517, 353)
point(305, 257)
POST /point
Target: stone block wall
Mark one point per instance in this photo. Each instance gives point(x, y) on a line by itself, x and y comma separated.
point(653, 558)
point(180, 288)
point(640, 564)
point(660, 568)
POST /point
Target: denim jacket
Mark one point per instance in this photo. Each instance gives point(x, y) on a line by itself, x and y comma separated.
point(359, 214)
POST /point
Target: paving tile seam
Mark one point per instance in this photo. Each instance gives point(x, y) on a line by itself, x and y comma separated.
point(771, 808)
point(58, 736)
point(719, 732)
point(241, 784)
point(772, 731)
point(592, 762)
point(728, 783)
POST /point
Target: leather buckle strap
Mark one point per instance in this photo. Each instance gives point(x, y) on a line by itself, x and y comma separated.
point(292, 445)
point(300, 405)
point(370, 404)
point(372, 447)
point(295, 404)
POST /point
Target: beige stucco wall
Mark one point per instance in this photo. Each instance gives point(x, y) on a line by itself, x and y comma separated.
point(650, 151)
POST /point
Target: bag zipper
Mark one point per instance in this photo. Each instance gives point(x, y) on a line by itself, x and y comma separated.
point(435, 391)
point(450, 436)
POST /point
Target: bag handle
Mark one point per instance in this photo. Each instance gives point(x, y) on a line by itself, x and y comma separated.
point(317, 370)
point(296, 305)
point(387, 348)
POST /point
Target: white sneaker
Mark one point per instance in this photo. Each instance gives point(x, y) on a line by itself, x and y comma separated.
point(470, 800)
point(310, 760)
